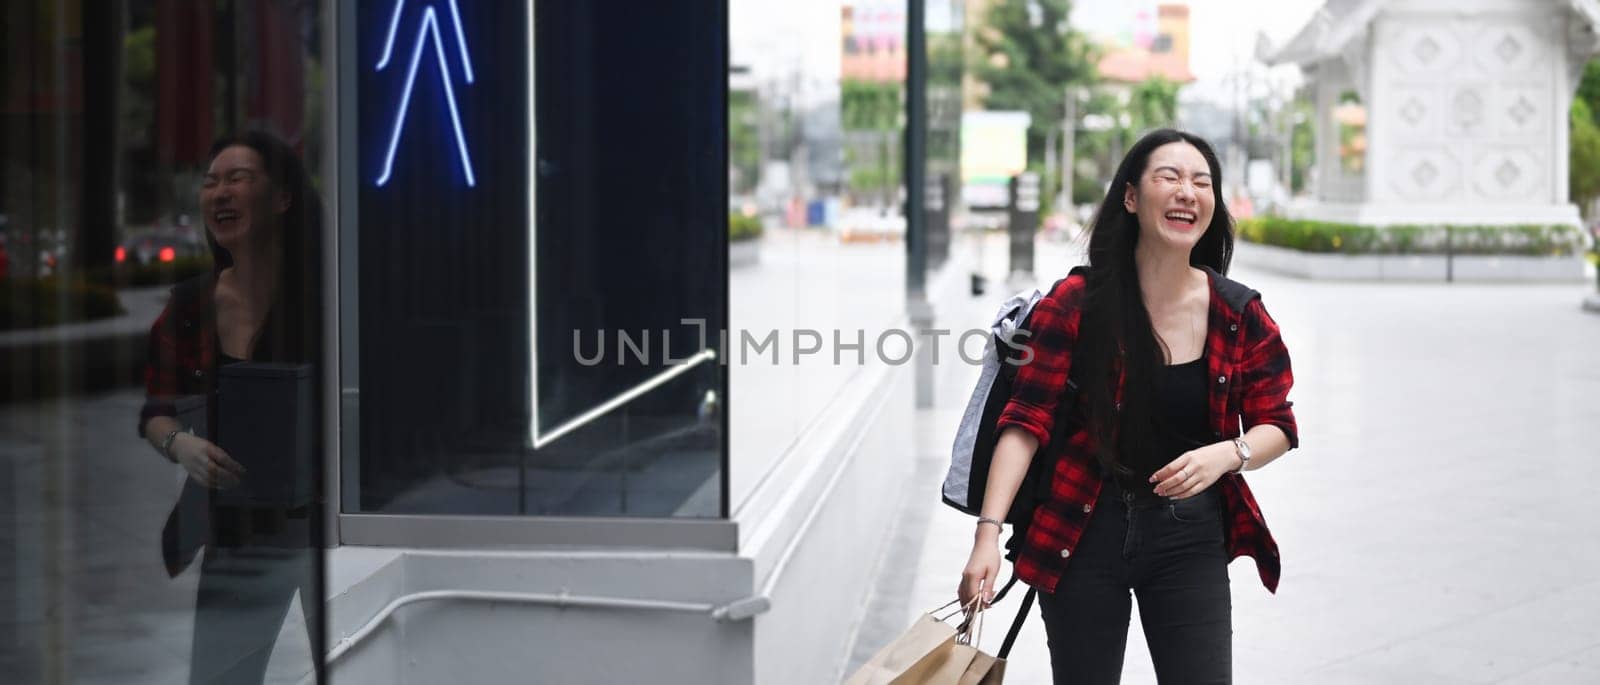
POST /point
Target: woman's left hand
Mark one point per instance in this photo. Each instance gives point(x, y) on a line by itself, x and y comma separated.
point(1195, 470)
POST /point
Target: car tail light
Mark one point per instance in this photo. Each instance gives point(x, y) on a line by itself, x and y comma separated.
point(167, 254)
point(121, 254)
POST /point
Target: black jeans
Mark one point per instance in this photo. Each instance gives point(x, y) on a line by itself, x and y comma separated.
point(1170, 555)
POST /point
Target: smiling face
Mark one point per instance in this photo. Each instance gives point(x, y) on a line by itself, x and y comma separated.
point(238, 199)
point(1174, 199)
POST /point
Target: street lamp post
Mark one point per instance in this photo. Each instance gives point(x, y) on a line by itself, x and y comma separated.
point(920, 311)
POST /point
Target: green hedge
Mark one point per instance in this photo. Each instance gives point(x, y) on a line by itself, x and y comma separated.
point(52, 301)
point(741, 227)
point(1537, 240)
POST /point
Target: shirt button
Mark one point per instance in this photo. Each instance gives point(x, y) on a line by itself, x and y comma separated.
point(198, 373)
point(1233, 327)
point(1222, 379)
point(1066, 553)
point(1088, 508)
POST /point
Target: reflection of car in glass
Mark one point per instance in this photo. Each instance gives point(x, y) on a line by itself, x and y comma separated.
point(153, 247)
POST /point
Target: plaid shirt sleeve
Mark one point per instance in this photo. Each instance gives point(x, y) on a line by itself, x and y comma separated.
point(1266, 376)
point(1052, 329)
point(161, 379)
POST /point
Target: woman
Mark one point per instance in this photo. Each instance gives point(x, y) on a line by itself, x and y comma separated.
point(1146, 494)
point(259, 303)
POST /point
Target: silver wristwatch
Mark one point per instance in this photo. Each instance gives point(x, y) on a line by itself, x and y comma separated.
point(1241, 448)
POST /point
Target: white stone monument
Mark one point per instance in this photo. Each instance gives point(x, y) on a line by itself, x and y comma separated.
point(1466, 105)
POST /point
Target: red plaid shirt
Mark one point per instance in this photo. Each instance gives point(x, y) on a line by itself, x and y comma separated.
point(1250, 366)
point(181, 356)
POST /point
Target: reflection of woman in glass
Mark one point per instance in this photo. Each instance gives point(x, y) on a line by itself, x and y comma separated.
point(258, 303)
point(1146, 495)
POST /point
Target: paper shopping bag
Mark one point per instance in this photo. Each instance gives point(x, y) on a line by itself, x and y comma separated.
point(985, 669)
point(925, 654)
point(951, 668)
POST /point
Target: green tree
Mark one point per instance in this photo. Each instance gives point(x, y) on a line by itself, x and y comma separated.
point(142, 181)
point(945, 58)
point(1583, 168)
point(1589, 87)
point(1302, 145)
point(1153, 104)
point(870, 113)
point(1029, 55)
point(744, 145)
point(1098, 151)
point(868, 105)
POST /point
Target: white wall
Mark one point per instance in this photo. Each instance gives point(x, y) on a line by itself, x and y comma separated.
point(460, 642)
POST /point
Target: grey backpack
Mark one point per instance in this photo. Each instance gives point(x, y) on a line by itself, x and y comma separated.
point(973, 450)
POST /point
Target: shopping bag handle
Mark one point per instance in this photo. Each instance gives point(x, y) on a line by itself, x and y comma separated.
point(964, 609)
point(1016, 623)
point(966, 634)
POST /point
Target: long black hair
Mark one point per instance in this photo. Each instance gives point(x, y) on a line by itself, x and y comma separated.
point(293, 330)
point(1116, 329)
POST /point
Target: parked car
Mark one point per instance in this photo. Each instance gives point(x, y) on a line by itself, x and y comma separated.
point(157, 247)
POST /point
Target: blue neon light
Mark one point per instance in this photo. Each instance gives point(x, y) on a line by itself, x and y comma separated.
point(461, 40)
point(429, 26)
point(394, 25)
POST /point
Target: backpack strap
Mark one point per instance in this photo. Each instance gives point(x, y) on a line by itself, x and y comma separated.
point(1236, 294)
point(1022, 614)
point(1016, 624)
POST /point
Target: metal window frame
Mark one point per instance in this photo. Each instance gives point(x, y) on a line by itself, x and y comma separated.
point(342, 394)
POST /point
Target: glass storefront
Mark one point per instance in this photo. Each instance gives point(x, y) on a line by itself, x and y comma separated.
point(161, 339)
point(280, 276)
point(538, 316)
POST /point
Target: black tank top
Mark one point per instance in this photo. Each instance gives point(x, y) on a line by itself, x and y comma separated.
point(1180, 414)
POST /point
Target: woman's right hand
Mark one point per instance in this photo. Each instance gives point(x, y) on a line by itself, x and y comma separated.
point(206, 463)
point(982, 568)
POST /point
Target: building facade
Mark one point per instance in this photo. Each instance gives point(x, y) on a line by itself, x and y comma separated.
point(1465, 108)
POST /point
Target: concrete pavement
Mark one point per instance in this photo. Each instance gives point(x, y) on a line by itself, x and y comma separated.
point(1436, 524)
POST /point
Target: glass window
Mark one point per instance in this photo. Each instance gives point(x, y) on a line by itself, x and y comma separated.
point(161, 231)
point(816, 134)
point(538, 318)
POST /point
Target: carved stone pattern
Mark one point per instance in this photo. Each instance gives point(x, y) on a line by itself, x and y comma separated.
point(1426, 49)
point(1522, 110)
point(1508, 48)
point(1507, 173)
point(1425, 174)
point(1510, 173)
point(1413, 111)
point(1469, 109)
point(1430, 173)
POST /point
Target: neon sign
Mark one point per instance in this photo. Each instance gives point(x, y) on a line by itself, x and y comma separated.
point(429, 27)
